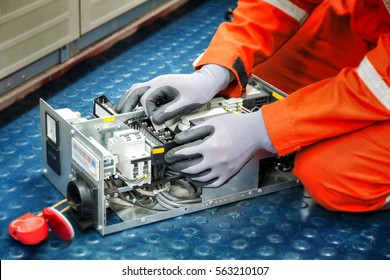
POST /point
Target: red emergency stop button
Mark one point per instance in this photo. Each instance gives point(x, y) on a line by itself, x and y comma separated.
point(29, 229)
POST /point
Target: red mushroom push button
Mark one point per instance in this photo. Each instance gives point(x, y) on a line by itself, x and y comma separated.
point(29, 229)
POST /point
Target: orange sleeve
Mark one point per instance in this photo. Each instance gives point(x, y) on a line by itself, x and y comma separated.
point(257, 30)
point(354, 99)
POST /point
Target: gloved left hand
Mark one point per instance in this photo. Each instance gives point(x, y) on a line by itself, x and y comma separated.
point(214, 151)
point(168, 96)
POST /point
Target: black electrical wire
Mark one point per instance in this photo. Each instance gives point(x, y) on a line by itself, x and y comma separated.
point(162, 171)
point(155, 175)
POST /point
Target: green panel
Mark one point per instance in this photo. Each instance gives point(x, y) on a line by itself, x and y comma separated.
point(29, 30)
point(97, 12)
point(8, 6)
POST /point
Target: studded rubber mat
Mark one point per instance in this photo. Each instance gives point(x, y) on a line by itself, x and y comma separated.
point(282, 225)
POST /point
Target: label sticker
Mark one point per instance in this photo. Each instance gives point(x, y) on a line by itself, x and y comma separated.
point(85, 159)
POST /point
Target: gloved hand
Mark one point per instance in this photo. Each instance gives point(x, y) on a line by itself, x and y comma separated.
point(214, 151)
point(167, 96)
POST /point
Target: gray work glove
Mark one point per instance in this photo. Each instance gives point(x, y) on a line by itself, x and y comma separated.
point(167, 96)
point(214, 151)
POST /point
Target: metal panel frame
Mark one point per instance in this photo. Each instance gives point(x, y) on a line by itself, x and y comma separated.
point(242, 186)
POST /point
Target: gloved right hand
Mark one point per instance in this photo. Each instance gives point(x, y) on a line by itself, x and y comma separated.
point(214, 151)
point(168, 96)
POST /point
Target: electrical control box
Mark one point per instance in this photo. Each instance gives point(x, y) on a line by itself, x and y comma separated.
point(111, 167)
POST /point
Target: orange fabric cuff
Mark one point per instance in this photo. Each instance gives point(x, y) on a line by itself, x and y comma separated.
point(279, 128)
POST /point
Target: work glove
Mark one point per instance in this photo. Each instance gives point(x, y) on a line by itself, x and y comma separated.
point(168, 96)
point(214, 151)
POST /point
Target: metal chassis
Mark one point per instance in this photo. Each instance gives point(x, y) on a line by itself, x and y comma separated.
point(242, 186)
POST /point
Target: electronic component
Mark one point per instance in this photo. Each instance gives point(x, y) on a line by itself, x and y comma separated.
point(103, 107)
point(53, 157)
point(52, 129)
point(79, 196)
point(255, 98)
point(133, 156)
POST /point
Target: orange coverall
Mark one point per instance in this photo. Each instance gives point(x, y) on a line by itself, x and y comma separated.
point(333, 59)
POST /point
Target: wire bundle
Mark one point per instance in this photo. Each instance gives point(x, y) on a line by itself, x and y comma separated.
point(175, 192)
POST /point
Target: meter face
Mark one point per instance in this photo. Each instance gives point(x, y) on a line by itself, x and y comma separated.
point(52, 129)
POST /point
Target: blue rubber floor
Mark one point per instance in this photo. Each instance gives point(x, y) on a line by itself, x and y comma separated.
point(283, 225)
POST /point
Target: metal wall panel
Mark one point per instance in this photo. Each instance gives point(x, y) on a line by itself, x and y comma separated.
point(97, 12)
point(31, 29)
